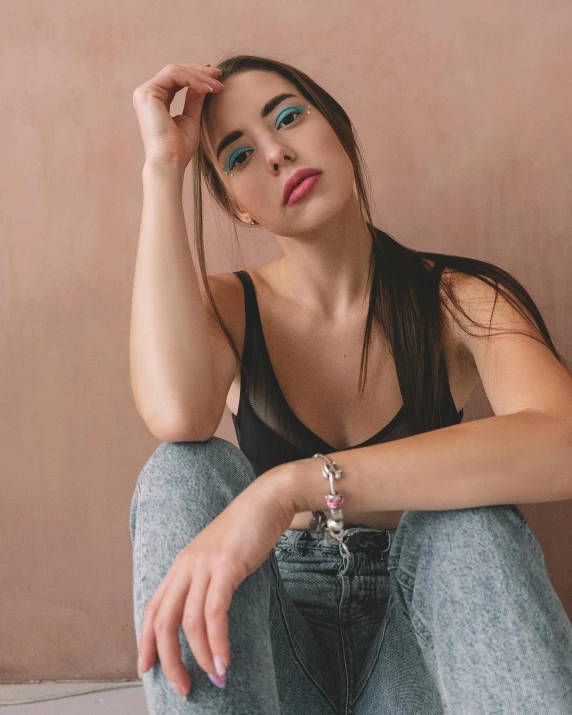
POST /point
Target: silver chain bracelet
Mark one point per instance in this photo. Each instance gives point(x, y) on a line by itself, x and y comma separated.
point(332, 528)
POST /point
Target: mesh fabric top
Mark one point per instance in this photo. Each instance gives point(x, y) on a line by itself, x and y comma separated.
point(267, 430)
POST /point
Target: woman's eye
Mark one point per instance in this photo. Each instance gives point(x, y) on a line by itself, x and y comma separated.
point(289, 112)
point(286, 114)
point(233, 157)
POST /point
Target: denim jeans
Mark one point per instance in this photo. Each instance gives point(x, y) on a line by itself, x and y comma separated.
point(452, 612)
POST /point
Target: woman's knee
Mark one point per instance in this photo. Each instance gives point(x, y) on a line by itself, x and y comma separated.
point(459, 532)
point(209, 474)
point(470, 522)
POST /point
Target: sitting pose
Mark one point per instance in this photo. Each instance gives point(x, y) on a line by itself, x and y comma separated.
point(360, 552)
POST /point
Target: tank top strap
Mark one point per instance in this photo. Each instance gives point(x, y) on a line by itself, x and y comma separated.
point(435, 272)
point(249, 294)
point(251, 318)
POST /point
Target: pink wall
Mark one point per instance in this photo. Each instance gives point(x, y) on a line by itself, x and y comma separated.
point(463, 110)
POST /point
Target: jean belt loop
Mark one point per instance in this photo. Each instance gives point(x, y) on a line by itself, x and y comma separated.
point(293, 539)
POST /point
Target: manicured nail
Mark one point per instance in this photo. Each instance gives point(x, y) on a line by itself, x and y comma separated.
point(216, 680)
point(219, 667)
point(178, 690)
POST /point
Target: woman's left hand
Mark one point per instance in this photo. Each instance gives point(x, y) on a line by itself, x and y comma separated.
point(198, 588)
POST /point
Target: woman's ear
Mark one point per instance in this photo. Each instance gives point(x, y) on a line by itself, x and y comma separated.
point(237, 211)
point(244, 217)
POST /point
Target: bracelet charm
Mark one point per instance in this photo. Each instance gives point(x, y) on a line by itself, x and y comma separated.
point(333, 527)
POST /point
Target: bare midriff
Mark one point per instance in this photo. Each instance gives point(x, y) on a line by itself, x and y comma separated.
point(376, 520)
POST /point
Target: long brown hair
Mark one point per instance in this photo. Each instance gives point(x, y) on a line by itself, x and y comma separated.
point(404, 294)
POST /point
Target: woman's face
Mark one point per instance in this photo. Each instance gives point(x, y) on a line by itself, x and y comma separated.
point(271, 149)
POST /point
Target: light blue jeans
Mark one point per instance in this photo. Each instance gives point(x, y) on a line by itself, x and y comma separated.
point(452, 612)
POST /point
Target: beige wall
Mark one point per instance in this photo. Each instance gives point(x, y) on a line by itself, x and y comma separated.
point(464, 114)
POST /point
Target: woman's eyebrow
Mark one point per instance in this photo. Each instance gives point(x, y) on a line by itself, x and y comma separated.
point(266, 109)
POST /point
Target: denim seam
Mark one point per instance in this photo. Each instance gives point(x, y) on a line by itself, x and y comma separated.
point(405, 578)
point(346, 650)
point(425, 640)
point(421, 629)
point(139, 543)
point(335, 554)
point(134, 508)
point(140, 486)
point(419, 625)
point(297, 654)
point(524, 526)
point(360, 686)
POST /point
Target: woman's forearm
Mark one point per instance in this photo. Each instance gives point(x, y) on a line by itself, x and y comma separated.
point(524, 457)
point(171, 361)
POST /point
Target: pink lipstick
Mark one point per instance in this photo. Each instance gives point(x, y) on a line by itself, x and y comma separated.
point(303, 189)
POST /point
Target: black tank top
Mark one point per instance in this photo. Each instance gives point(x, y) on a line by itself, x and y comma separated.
point(267, 430)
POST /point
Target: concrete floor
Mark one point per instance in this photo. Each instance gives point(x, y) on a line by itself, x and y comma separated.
point(73, 699)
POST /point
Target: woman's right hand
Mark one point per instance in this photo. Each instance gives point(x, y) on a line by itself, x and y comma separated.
point(167, 138)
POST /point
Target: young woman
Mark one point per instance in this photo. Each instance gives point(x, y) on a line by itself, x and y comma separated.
point(426, 592)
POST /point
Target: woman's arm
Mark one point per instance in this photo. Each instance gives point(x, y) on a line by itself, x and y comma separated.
point(521, 455)
point(508, 459)
point(171, 361)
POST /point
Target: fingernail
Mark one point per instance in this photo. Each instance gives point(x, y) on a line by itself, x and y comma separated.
point(216, 680)
point(178, 691)
point(139, 669)
point(207, 65)
point(209, 87)
point(219, 667)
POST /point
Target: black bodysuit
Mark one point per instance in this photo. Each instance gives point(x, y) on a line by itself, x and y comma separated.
point(267, 430)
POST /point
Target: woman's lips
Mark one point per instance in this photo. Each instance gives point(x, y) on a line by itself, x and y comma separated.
point(303, 189)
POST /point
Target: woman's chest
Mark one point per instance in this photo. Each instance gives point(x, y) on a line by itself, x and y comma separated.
point(318, 370)
point(317, 367)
